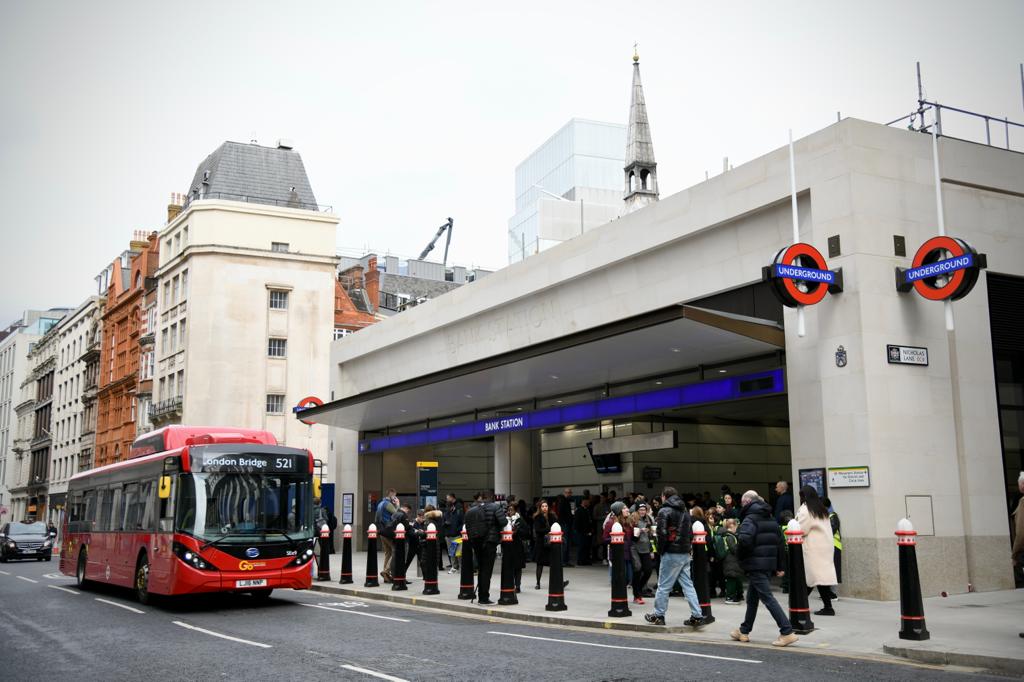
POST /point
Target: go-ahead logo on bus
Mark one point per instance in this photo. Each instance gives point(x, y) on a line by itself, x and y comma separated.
point(799, 276)
point(944, 268)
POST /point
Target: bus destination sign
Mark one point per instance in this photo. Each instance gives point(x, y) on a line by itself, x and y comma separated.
point(248, 462)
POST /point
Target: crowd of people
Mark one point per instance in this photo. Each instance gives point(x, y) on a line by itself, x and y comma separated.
point(746, 543)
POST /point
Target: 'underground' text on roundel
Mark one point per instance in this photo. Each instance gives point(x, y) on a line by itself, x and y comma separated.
point(944, 268)
point(799, 276)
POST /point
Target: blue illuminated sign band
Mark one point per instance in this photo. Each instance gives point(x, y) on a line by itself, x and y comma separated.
point(805, 274)
point(941, 267)
point(713, 391)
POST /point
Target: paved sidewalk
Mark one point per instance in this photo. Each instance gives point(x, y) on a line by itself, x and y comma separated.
point(978, 630)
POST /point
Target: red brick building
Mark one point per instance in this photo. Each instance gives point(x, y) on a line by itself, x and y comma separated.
point(356, 293)
point(120, 351)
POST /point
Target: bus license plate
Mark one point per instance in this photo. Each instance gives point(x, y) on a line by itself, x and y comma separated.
point(255, 582)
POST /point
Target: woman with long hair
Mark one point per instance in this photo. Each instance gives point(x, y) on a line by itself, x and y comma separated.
point(542, 520)
point(817, 548)
point(643, 564)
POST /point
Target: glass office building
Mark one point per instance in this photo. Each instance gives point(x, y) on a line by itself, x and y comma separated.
point(583, 161)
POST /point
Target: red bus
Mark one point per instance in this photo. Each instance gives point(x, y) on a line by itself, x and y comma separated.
point(194, 509)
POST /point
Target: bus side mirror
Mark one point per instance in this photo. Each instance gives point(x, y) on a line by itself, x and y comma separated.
point(164, 489)
point(316, 488)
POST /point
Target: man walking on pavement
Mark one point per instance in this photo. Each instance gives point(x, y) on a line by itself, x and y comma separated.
point(452, 522)
point(484, 523)
point(386, 508)
point(761, 552)
point(565, 518)
point(675, 532)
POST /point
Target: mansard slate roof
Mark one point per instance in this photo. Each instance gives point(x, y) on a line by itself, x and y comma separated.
point(249, 172)
point(639, 147)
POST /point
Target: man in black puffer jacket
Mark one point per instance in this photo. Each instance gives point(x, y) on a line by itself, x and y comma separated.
point(675, 533)
point(761, 554)
point(484, 522)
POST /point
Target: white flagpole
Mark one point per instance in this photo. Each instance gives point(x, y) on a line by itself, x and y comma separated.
point(938, 207)
point(801, 328)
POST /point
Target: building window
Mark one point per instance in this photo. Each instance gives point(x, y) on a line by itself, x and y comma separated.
point(184, 284)
point(181, 333)
point(280, 247)
point(167, 295)
point(277, 348)
point(181, 383)
point(174, 337)
point(341, 333)
point(278, 299)
point(174, 290)
point(275, 403)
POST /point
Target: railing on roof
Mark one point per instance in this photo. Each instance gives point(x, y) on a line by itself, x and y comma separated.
point(249, 199)
point(916, 120)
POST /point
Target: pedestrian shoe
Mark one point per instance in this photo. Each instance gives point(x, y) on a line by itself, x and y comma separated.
point(732, 602)
point(653, 619)
point(537, 586)
point(647, 593)
point(694, 622)
point(638, 600)
point(450, 571)
point(785, 640)
point(565, 584)
point(825, 612)
point(739, 636)
point(518, 590)
point(484, 602)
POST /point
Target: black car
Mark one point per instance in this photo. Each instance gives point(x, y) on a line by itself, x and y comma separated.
point(26, 541)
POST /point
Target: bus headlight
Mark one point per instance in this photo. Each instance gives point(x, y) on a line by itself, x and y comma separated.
point(192, 558)
point(304, 557)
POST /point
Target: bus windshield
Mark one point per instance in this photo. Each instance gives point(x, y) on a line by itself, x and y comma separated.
point(223, 505)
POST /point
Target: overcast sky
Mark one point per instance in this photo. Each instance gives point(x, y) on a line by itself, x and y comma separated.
point(406, 113)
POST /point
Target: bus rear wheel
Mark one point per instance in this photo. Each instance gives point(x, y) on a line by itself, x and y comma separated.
point(142, 580)
point(80, 578)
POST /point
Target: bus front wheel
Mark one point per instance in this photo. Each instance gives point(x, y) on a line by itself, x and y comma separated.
point(142, 580)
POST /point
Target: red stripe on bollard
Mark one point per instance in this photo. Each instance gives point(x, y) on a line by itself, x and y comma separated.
point(556, 595)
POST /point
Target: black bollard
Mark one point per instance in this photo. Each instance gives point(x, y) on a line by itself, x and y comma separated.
point(430, 562)
point(371, 557)
point(700, 570)
point(556, 586)
point(508, 577)
point(799, 607)
point(466, 590)
point(620, 602)
point(912, 625)
point(323, 569)
point(398, 561)
point(346, 555)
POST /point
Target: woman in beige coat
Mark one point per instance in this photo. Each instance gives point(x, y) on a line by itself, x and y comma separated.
point(818, 564)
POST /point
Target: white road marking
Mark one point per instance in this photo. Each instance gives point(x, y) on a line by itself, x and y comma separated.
point(356, 613)
point(217, 634)
point(63, 589)
point(364, 671)
point(28, 580)
point(120, 606)
point(4, 572)
point(627, 648)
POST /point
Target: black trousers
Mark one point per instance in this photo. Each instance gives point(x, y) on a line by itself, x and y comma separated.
point(484, 553)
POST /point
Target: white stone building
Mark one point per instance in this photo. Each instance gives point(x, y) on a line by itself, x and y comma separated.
point(74, 334)
point(15, 343)
point(246, 298)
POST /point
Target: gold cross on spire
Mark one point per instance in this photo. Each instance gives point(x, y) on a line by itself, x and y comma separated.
point(636, 55)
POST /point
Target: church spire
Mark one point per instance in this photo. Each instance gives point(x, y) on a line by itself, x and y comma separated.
point(641, 170)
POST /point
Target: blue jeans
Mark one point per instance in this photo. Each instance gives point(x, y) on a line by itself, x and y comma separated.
point(760, 589)
point(675, 567)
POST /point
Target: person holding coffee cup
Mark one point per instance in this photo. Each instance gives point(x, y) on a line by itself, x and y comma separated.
point(641, 559)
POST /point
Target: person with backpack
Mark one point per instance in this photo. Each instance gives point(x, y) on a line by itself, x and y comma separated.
point(386, 509)
point(484, 523)
point(522, 531)
point(675, 534)
point(727, 551)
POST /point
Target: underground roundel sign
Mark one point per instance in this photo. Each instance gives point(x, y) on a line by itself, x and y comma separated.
point(944, 268)
point(305, 404)
point(799, 276)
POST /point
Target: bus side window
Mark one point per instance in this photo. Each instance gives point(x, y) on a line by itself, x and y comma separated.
point(130, 518)
point(76, 508)
point(147, 499)
point(115, 509)
point(103, 518)
point(89, 515)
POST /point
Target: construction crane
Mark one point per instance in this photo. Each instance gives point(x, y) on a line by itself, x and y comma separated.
point(448, 242)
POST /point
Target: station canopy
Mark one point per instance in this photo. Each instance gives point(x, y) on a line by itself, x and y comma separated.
point(658, 343)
